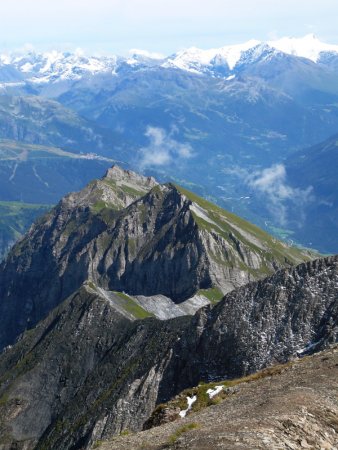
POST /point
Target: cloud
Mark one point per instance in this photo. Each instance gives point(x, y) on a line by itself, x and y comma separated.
point(163, 149)
point(146, 54)
point(271, 183)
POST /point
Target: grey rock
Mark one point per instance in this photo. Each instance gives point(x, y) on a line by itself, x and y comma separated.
point(87, 372)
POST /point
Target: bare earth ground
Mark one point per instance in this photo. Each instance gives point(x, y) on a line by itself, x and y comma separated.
point(296, 408)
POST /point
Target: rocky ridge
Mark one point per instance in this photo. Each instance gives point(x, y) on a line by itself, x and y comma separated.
point(126, 233)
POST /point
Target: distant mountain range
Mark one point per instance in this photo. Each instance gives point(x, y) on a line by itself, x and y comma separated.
point(223, 116)
point(55, 66)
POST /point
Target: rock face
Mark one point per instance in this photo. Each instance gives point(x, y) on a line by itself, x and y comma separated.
point(126, 233)
point(291, 313)
point(84, 372)
point(87, 372)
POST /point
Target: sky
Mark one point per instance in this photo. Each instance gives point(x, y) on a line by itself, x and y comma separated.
point(163, 26)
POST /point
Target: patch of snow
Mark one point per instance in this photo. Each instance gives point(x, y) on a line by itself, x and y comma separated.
point(215, 391)
point(51, 58)
point(5, 59)
point(308, 347)
point(28, 67)
point(196, 60)
point(190, 401)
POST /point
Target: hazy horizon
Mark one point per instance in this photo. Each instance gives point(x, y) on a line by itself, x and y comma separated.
point(158, 26)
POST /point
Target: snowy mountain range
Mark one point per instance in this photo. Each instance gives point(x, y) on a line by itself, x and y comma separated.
point(39, 68)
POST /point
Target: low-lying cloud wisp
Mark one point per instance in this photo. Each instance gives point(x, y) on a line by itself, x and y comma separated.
point(163, 149)
point(272, 183)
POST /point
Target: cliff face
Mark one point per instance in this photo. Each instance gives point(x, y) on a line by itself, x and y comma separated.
point(88, 372)
point(126, 233)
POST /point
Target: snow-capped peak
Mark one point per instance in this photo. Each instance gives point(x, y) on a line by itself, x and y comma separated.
point(196, 60)
point(309, 46)
point(55, 65)
point(232, 53)
point(5, 59)
point(192, 59)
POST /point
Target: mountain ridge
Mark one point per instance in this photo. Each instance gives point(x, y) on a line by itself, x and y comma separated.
point(53, 65)
point(114, 371)
point(127, 233)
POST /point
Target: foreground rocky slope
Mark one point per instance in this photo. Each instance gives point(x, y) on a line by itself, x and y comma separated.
point(289, 407)
point(126, 233)
point(88, 371)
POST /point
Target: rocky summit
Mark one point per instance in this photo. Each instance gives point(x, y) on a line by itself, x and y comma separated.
point(128, 234)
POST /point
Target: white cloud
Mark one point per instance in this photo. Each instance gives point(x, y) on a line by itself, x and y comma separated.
point(272, 184)
point(146, 54)
point(163, 149)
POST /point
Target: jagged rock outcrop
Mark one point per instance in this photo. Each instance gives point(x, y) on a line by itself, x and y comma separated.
point(87, 372)
point(126, 233)
point(290, 313)
point(116, 190)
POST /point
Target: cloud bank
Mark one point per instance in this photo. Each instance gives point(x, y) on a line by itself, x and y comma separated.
point(163, 149)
